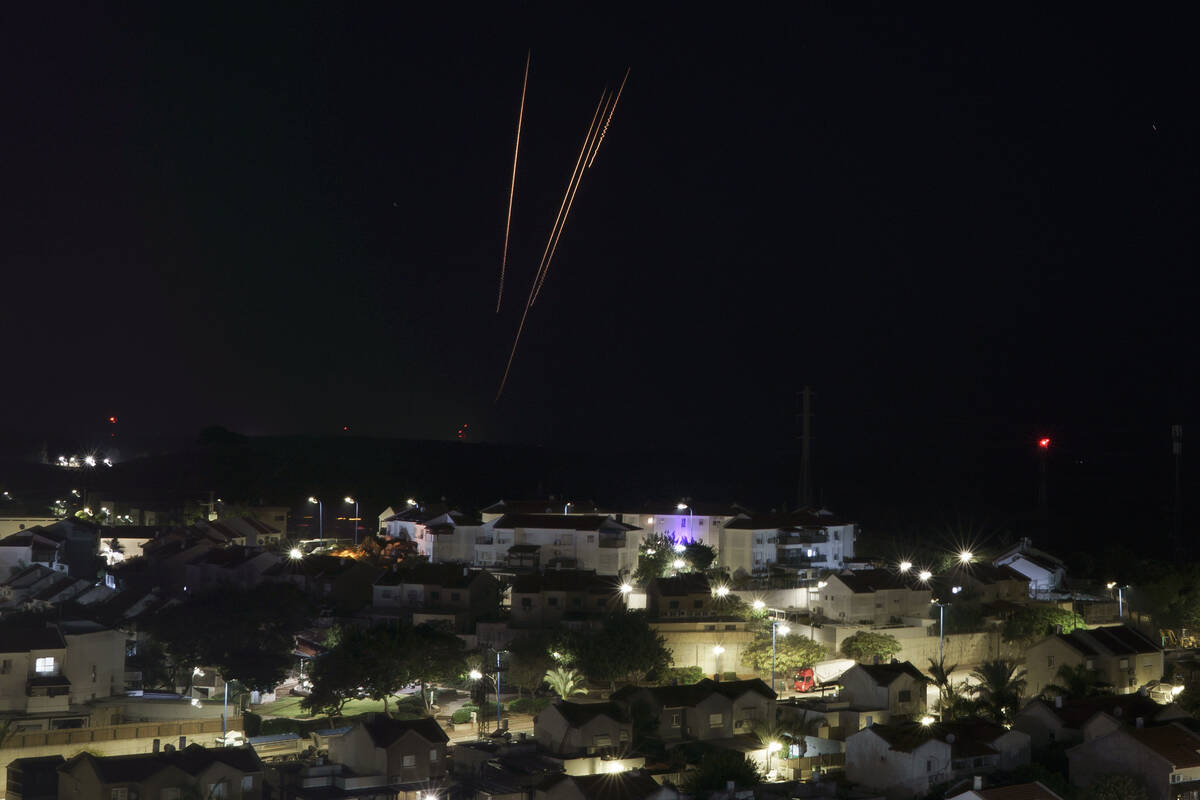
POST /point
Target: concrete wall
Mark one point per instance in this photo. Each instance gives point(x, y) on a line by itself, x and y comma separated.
point(918, 646)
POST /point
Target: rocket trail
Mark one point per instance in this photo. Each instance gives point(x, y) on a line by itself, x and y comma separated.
point(512, 189)
point(604, 133)
point(591, 155)
point(536, 278)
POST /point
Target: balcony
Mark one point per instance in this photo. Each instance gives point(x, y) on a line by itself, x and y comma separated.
point(615, 541)
point(790, 539)
point(484, 540)
point(797, 558)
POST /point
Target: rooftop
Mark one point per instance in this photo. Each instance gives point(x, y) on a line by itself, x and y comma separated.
point(1117, 640)
point(866, 581)
point(1020, 791)
point(385, 730)
point(634, 785)
point(1173, 742)
point(569, 522)
point(886, 674)
point(577, 714)
point(193, 759)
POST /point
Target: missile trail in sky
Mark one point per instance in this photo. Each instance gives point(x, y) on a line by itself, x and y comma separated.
point(512, 189)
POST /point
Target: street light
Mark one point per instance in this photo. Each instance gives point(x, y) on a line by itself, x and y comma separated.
point(680, 547)
point(941, 626)
point(758, 605)
point(905, 566)
point(682, 506)
point(965, 556)
point(320, 516)
point(475, 675)
point(678, 563)
point(295, 554)
point(626, 588)
point(717, 650)
point(927, 720)
point(722, 591)
point(1120, 597)
point(924, 576)
point(782, 627)
point(772, 749)
point(348, 501)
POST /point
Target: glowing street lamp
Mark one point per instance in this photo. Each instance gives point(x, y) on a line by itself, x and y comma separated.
point(927, 720)
point(475, 675)
point(784, 630)
point(966, 556)
point(722, 591)
point(905, 566)
point(626, 588)
point(680, 547)
point(678, 563)
point(717, 650)
point(295, 554)
point(348, 501)
point(320, 515)
point(758, 605)
point(924, 576)
point(772, 749)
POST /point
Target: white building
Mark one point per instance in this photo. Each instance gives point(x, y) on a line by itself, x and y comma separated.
point(807, 542)
point(1044, 571)
point(572, 541)
point(48, 674)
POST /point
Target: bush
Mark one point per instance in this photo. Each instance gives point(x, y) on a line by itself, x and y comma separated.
point(463, 715)
point(251, 723)
point(684, 676)
point(729, 676)
point(270, 727)
point(528, 705)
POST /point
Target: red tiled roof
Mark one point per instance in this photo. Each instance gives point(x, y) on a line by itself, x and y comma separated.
point(1021, 791)
point(1173, 742)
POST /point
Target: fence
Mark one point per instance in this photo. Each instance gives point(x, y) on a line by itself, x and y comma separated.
point(112, 733)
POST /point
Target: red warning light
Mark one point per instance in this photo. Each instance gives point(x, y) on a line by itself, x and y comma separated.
point(1044, 443)
point(113, 420)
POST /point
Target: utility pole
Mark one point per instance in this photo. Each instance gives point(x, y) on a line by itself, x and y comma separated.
point(1043, 493)
point(1177, 511)
point(806, 398)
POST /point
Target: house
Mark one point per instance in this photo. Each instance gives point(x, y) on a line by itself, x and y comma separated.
point(1125, 658)
point(567, 728)
point(871, 597)
point(906, 759)
point(33, 778)
point(1166, 758)
point(635, 785)
point(49, 672)
point(704, 710)
point(545, 600)
point(29, 547)
point(230, 772)
point(572, 541)
point(1017, 791)
point(237, 565)
point(1064, 720)
point(442, 534)
point(805, 541)
point(451, 593)
point(991, 584)
point(411, 753)
point(898, 687)
point(245, 531)
point(681, 596)
point(1045, 572)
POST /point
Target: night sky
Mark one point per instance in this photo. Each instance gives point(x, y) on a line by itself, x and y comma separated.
point(963, 229)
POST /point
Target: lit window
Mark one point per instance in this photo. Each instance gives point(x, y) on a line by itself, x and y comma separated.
point(433, 755)
point(602, 740)
point(247, 783)
point(675, 719)
point(119, 794)
point(716, 720)
point(409, 762)
point(45, 666)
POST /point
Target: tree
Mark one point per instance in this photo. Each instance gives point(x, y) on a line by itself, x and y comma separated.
point(654, 557)
point(1036, 622)
point(951, 701)
point(247, 635)
point(719, 767)
point(529, 661)
point(1001, 684)
point(791, 653)
point(565, 682)
point(870, 647)
point(625, 649)
point(434, 655)
point(1079, 681)
point(334, 678)
point(1116, 787)
point(699, 556)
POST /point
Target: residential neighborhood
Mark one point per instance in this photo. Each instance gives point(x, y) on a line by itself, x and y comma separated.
point(531, 649)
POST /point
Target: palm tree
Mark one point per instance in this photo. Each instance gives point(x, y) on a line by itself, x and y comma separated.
point(951, 702)
point(1079, 681)
point(565, 682)
point(1001, 684)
